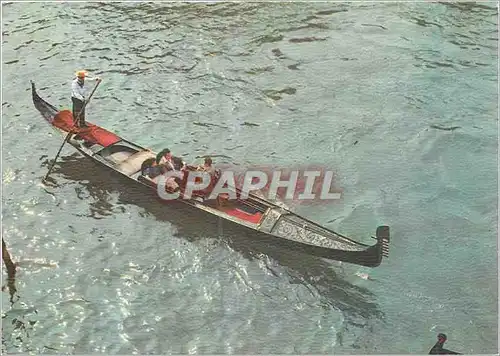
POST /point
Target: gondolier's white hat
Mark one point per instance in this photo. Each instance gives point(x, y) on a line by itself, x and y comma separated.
point(81, 73)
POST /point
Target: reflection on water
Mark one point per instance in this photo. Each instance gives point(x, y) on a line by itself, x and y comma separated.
point(17, 328)
point(356, 302)
point(10, 267)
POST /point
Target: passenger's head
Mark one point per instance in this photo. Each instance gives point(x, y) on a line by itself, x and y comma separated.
point(208, 161)
point(164, 153)
point(146, 164)
point(176, 160)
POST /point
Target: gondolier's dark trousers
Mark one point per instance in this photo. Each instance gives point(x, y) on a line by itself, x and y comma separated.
point(77, 107)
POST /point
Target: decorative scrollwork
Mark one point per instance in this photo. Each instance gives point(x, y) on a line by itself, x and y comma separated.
point(286, 230)
point(295, 232)
point(270, 220)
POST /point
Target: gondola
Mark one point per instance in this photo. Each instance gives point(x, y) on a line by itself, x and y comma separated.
point(275, 220)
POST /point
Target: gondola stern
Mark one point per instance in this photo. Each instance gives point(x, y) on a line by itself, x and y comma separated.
point(374, 255)
point(380, 250)
point(383, 236)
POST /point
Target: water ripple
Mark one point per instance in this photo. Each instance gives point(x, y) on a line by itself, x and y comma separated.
point(396, 97)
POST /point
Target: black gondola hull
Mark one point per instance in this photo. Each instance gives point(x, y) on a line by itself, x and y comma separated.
point(103, 147)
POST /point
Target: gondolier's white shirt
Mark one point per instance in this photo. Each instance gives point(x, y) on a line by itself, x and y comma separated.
point(78, 91)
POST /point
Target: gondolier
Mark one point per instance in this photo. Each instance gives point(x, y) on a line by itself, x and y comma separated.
point(78, 96)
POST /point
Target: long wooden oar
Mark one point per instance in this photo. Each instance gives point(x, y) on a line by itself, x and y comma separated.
point(71, 131)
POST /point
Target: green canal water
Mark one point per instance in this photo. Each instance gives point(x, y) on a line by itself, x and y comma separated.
point(398, 99)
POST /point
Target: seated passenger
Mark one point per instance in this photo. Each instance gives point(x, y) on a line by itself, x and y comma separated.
point(210, 169)
point(165, 159)
point(149, 169)
point(172, 184)
point(207, 166)
point(147, 163)
point(178, 163)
